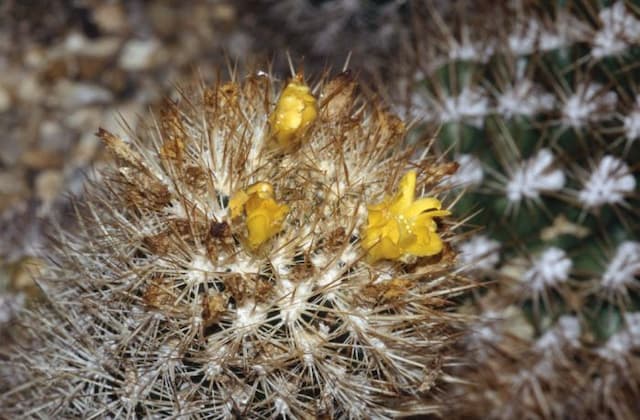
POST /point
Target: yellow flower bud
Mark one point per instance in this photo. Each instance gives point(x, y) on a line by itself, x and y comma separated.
point(264, 216)
point(295, 111)
point(402, 226)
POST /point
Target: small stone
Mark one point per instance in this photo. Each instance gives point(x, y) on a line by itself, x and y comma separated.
point(71, 95)
point(90, 67)
point(49, 129)
point(75, 42)
point(34, 57)
point(138, 54)
point(86, 118)
point(110, 17)
point(29, 89)
point(86, 149)
point(164, 18)
point(8, 204)
point(223, 12)
point(116, 80)
point(56, 68)
point(12, 183)
point(41, 159)
point(49, 185)
point(5, 99)
point(12, 144)
point(104, 47)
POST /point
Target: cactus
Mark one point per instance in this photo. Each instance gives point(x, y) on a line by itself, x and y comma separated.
point(261, 251)
point(541, 110)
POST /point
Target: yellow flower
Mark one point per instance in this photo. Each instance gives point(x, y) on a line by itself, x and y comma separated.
point(401, 226)
point(295, 111)
point(264, 216)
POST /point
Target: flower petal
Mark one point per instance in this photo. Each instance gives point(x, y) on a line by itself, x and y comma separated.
point(236, 203)
point(259, 229)
point(406, 193)
point(402, 225)
point(427, 243)
point(384, 249)
point(422, 205)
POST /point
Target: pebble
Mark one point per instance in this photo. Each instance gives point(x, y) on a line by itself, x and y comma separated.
point(29, 89)
point(138, 54)
point(163, 18)
point(34, 57)
point(12, 182)
point(75, 43)
point(223, 12)
point(49, 130)
point(103, 47)
point(41, 159)
point(110, 17)
point(86, 149)
point(86, 118)
point(48, 185)
point(71, 95)
point(5, 99)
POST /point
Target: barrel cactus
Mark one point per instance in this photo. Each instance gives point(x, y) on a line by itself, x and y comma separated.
point(540, 106)
point(262, 249)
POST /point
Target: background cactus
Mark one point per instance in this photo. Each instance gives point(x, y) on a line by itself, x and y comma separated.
point(326, 32)
point(219, 271)
point(540, 108)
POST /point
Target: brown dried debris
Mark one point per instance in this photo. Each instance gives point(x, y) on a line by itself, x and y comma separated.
point(173, 133)
point(238, 286)
point(225, 95)
point(263, 289)
point(142, 191)
point(437, 265)
point(158, 295)
point(218, 237)
point(336, 239)
point(219, 231)
point(158, 244)
point(302, 271)
point(388, 291)
point(196, 178)
point(214, 305)
point(391, 127)
point(121, 150)
point(337, 97)
point(434, 173)
point(248, 286)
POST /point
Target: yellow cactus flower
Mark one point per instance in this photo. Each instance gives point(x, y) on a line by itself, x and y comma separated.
point(402, 226)
point(295, 111)
point(264, 216)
